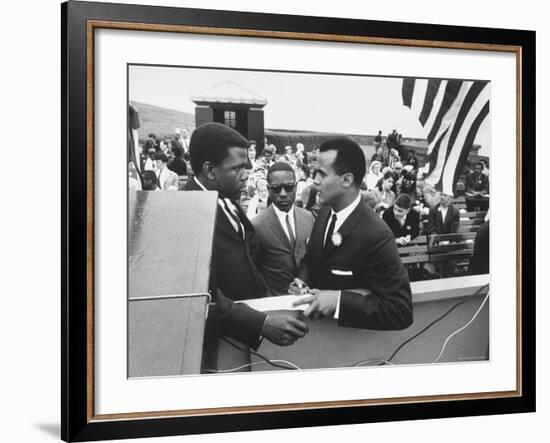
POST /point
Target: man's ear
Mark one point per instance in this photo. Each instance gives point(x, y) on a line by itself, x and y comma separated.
point(209, 170)
point(347, 180)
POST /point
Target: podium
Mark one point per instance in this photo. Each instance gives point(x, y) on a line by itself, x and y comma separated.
point(170, 237)
point(440, 307)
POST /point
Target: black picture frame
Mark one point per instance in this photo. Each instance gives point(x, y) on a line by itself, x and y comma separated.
point(77, 418)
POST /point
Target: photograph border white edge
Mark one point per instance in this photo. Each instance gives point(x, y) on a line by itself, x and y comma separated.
point(114, 393)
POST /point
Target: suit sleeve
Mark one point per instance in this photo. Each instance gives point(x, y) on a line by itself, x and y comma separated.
point(386, 301)
point(415, 230)
point(236, 320)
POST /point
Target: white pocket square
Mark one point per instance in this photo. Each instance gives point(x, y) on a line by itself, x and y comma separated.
point(338, 272)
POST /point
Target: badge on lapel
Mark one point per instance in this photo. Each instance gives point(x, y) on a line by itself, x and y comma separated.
point(336, 239)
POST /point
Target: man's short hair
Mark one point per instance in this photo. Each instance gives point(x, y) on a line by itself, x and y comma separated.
point(280, 166)
point(152, 135)
point(404, 201)
point(162, 157)
point(211, 142)
point(349, 157)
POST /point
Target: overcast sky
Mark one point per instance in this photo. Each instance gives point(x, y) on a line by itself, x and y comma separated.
point(317, 102)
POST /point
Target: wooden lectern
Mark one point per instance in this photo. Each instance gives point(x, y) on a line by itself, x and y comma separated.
point(170, 237)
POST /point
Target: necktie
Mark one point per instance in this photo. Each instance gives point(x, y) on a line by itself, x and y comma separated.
point(235, 217)
point(330, 230)
point(290, 233)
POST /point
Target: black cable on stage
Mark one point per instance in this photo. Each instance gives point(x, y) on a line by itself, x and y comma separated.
point(257, 354)
point(431, 324)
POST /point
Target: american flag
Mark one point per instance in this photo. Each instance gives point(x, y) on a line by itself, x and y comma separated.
point(451, 112)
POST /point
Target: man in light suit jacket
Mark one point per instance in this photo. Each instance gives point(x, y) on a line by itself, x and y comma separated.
point(167, 180)
point(352, 263)
point(282, 229)
point(443, 218)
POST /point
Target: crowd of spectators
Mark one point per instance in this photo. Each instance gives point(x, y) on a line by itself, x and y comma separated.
point(394, 185)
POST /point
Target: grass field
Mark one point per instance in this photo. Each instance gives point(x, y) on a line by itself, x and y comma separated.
point(161, 121)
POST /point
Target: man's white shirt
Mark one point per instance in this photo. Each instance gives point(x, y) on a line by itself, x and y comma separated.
point(281, 216)
point(223, 208)
point(341, 217)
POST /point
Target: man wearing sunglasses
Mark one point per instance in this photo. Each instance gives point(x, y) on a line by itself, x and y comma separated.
point(219, 159)
point(351, 264)
point(282, 229)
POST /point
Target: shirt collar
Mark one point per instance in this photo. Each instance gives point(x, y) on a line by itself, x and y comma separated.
point(343, 214)
point(281, 215)
point(199, 183)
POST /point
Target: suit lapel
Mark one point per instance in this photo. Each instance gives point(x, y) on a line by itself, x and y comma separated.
point(299, 225)
point(221, 219)
point(345, 230)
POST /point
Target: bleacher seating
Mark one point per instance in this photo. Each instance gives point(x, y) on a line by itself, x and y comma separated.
point(439, 250)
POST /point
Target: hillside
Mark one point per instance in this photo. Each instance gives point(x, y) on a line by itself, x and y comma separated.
point(161, 121)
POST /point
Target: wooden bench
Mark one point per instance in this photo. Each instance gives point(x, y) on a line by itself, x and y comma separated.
point(182, 180)
point(439, 249)
point(448, 248)
point(460, 202)
point(469, 222)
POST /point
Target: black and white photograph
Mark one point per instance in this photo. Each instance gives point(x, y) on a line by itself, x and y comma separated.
point(283, 221)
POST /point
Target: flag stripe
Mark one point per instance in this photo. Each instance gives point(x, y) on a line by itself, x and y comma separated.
point(451, 112)
point(451, 91)
point(407, 91)
point(454, 154)
point(420, 88)
point(433, 158)
point(448, 122)
point(473, 93)
point(432, 89)
point(437, 104)
point(468, 145)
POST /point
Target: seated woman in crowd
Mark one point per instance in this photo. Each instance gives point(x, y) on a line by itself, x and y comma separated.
point(374, 174)
point(403, 222)
point(178, 164)
point(408, 186)
point(259, 200)
point(310, 200)
point(302, 173)
point(383, 192)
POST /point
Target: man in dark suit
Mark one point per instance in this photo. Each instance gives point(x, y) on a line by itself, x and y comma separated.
point(351, 261)
point(282, 229)
point(218, 159)
point(403, 222)
point(443, 218)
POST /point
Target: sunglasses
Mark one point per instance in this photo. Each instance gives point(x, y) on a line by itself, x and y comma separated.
point(288, 187)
